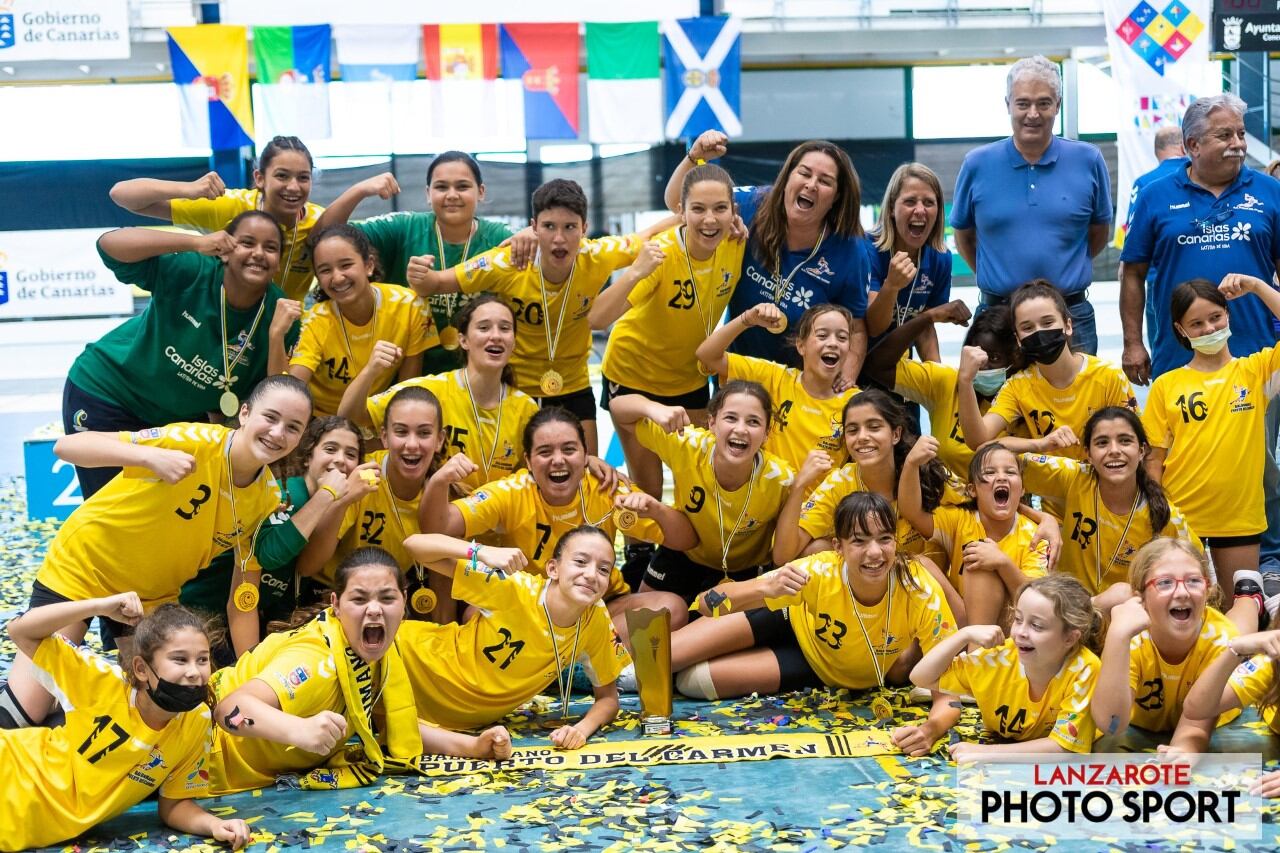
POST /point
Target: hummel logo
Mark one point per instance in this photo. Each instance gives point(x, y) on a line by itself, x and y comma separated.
point(191, 319)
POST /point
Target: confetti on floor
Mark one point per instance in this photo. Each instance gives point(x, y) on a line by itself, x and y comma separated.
point(882, 802)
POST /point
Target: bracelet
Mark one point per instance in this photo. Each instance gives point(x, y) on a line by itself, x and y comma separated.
point(331, 490)
point(697, 161)
point(473, 554)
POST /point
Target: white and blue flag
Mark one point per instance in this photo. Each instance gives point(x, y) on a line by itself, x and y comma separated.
point(703, 59)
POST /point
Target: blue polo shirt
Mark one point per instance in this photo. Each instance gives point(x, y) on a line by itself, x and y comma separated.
point(1032, 220)
point(1184, 232)
point(931, 288)
point(837, 273)
point(1162, 170)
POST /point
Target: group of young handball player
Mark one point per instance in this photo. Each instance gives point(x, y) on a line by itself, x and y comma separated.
point(396, 499)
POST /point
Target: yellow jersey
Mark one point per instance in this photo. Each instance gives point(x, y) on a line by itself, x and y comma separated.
point(179, 528)
point(335, 349)
point(299, 668)
point(1028, 397)
point(996, 679)
point(1159, 687)
point(751, 510)
point(381, 518)
point(102, 762)
point(954, 527)
point(1098, 545)
point(513, 514)
point(538, 326)
point(818, 513)
point(1212, 425)
point(683, 297)
point(474, 674)
point(1251, 681)
point(491, 438)
point(800, 422)
point(844, 644)
point(296, 272)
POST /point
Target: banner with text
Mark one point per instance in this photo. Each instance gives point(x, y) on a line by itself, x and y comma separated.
point(63, 29)
point(57, 274)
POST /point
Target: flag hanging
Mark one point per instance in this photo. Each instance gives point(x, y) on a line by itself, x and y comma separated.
point(704, 76)
point(460, 51)
point(1159, 62)
point(544, 57)
point(211, 67)
point(624, 91)
point(292, 95)
point(377, 54)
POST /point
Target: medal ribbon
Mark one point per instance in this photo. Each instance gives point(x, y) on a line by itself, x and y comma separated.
point(693, 279)
point(497, 427)
point(564, 680)
point(780, 290)
point(229, 364)
point(439, 299)
point(888, 614)
point(726, 544)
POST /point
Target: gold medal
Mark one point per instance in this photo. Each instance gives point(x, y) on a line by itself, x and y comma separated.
point(625, 519)
point(553, 723)
point(779, 326)
point(423, 601)
point(552, 383)
point(229, 403)
point(881, 708)
point(449, 338)
point(246, 597)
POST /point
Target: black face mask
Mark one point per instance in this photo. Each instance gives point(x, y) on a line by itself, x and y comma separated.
point(177, 698)
point(1044, 346)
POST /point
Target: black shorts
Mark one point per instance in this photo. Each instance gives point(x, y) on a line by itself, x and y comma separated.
point(673, 571)
point(108, 629)
point(84, 412)
point(691, 401)
point(771, 629)
point(1212, 542)
point(581, 403)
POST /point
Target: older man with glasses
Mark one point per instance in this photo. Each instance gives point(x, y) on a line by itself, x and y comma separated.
point(1208, 219)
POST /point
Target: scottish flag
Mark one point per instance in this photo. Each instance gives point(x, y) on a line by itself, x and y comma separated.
point(703, 76)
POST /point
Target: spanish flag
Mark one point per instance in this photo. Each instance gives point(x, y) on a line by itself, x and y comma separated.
point(211, 67)
point(460, 51)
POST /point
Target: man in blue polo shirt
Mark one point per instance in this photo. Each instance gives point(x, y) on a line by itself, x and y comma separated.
point(1212, 218)
point(1034, 205)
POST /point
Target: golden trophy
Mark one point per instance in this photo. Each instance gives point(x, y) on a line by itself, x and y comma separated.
point(650, 632)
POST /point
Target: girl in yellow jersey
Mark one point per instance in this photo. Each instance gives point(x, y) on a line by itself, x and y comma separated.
point(360, 335)
point(188, 492)
point(680, 283)
point(807, 413)
point(730, 490)
point(484, 413)
point(328, 703)
point(532, 508)
point(1110, 504)
point(1033, 689)
point(552, 297)
point(282, 187)
point(130, 731)
point(842, 618)
point(530, 629)
point(1055, 389)
point(1207, 430)
point(1158, 645)
point(1245, 674)
point(381, 509)
point(988, 544)
point(934, 385)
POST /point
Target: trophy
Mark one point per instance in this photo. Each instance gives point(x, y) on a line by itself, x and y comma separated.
point(650, 632)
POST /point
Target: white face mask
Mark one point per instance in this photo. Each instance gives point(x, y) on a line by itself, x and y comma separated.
point(1212, 343)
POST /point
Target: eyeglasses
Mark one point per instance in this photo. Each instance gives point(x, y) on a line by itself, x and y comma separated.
point(1213, 219)
point(1166, 584)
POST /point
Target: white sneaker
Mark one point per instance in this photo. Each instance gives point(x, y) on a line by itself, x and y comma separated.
point(627, 679)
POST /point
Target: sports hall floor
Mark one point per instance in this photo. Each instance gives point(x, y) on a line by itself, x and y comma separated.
point(684, 797)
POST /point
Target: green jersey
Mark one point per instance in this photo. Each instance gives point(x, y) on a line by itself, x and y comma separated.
point(166, 364)
point(403, 235)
